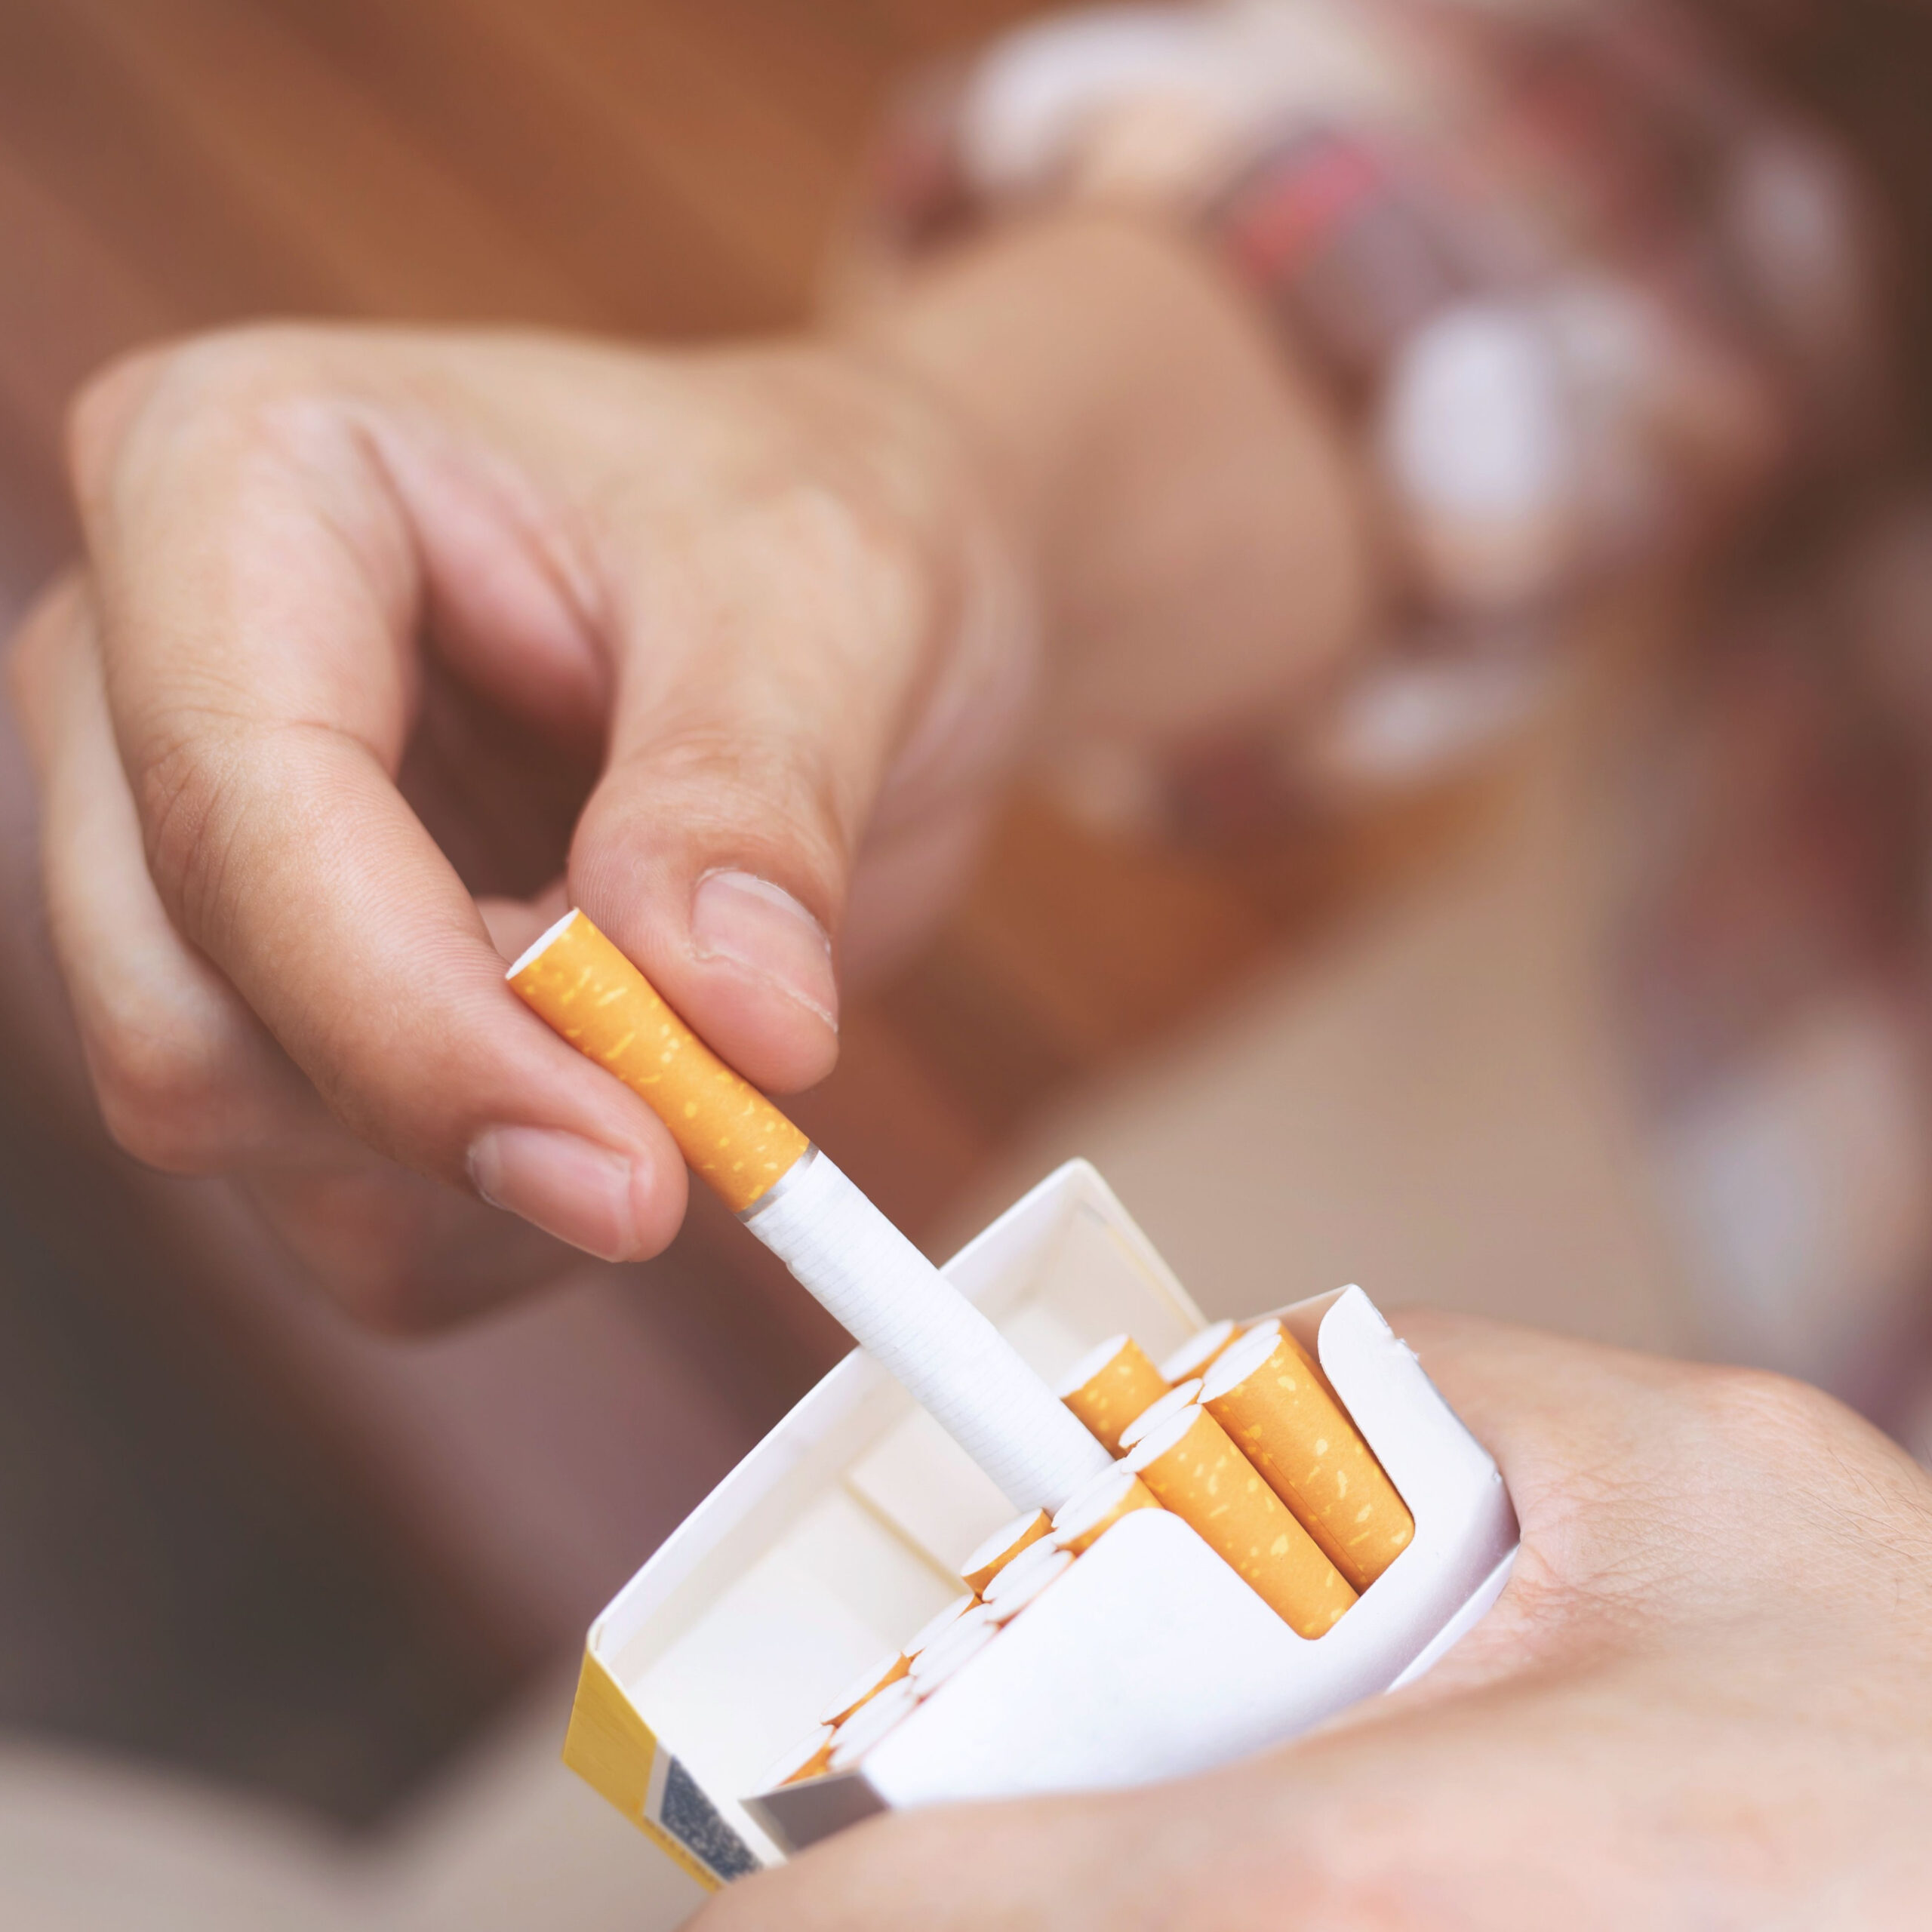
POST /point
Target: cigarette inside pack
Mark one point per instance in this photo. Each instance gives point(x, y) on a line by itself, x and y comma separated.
point(1252, 1450)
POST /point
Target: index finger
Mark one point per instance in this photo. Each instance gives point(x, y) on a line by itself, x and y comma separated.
point(262, 574)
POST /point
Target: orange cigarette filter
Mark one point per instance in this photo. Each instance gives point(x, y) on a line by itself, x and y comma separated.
point(1275, 1325)
point(1090, 1513)
point(1195, 1470)
point(1000, 1548)
point(728, 1132)
point(1108, 1386)
point(1267, 1397)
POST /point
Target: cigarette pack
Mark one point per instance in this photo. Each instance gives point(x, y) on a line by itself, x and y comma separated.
point(1148, 1658)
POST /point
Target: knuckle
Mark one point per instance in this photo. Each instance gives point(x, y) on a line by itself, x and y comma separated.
point(167, 1091)
point(227, 383)
point(751, 795)
point(184, 792)
point(740, 774)
point(852, 549)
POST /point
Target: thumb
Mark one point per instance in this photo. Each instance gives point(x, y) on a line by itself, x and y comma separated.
point(759, 698)
point(719, 910)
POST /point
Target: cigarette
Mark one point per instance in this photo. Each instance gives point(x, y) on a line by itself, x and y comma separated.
point(1015, 1575)
point(929, 1633)
point(889, 1669)
point(965, 1635)
point(869, 1723)
point(1088, 1515)
point(1274, 1325)
point(891, 1299)
point(1194, 1354)
point(728, 1132)
point(1195, 1470)
point(955, 1650)
point(1039, 1578)
point(1109, 1386)
point(1264, 1392)
point(1172, 1402)
point(1001, 1547)
point(805, 1761)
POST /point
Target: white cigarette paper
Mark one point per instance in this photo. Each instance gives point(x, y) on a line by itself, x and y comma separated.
point(898, 1308)
point(891, 1299)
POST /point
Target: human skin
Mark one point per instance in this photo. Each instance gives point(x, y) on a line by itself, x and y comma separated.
point(1703, 1701)
point(386, 645)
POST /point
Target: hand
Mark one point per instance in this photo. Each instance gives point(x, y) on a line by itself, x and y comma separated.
point(388, 645)
point(1704, 1700)
point(375, 628)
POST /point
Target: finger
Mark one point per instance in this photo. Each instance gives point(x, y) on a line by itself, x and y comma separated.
point(760, 694)
point(1616, 1463)
point(828, 644)
point(1106, 1864)
point(516, 924)
point(1543, 1405)
point(398, 1250)
point(187, 1079)
point(263, 575)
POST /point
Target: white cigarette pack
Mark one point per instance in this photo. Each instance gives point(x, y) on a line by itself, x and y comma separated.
point(841, 1533)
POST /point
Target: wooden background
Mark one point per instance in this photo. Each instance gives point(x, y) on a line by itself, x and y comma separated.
point(655, 168)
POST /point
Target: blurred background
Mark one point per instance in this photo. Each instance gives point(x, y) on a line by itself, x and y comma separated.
point(1610, 1014)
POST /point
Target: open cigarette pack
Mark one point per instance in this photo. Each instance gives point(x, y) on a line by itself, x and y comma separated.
point(1128, 1652)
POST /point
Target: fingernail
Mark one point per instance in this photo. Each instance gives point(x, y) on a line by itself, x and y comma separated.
point(569, 1187)
point(761, 927)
